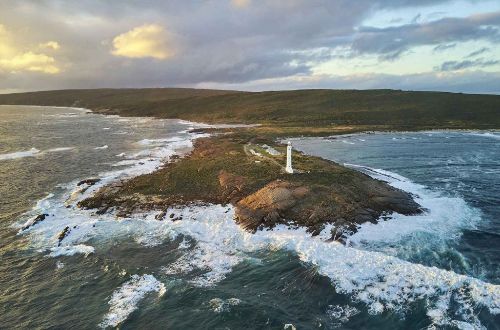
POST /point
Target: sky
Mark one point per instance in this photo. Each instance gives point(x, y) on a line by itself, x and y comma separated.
point(444, 45)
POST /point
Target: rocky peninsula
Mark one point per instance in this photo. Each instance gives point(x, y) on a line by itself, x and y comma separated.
point(248, 173)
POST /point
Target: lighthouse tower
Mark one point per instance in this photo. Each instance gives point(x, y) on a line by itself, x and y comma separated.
point(288, 168)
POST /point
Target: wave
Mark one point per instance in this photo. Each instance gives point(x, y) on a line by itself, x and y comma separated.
point(127, 297)
point(102, 147)
point(216, 244)
point(490, 135)
point(382, 282)
point(60, 149)
point(33, 152)
point(219, 305)
point(71, 250)
point(20, 154)
point(446, 216)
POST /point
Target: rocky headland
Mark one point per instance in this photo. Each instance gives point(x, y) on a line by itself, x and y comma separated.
point(248, 173)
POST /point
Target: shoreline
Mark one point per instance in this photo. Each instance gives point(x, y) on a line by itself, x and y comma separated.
point(256, 208)
point(219, 244)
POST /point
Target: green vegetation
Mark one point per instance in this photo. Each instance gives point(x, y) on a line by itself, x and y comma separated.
point(292, 111)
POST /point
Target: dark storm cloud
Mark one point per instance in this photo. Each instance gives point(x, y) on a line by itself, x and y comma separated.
point(391, 42)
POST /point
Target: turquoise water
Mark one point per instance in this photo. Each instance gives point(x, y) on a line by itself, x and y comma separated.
point(204, 272)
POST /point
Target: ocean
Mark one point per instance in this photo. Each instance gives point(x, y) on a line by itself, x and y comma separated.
point(436, 270)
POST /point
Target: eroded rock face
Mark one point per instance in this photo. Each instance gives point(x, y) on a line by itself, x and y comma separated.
point(314, 206)
point(267, 206)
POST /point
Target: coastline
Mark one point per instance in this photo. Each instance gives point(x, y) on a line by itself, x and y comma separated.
point(212, 245)
point(321, 193)
point(265, 205)
point(272, 201)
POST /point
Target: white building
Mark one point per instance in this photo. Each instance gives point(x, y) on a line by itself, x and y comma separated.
point(288, 168)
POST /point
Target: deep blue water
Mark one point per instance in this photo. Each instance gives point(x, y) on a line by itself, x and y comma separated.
point(439, 269)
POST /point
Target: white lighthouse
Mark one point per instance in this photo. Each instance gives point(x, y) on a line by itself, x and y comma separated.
point(288, 168)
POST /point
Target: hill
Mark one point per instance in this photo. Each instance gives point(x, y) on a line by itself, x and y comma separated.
point(389, 109)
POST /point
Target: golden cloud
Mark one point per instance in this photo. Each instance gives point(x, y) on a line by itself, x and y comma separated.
point(30, 61)
point(16, 60)
point(150, 40)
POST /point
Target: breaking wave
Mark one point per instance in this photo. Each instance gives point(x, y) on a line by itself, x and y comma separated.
point(20, 154)
point(125, 299)
point(213, 244)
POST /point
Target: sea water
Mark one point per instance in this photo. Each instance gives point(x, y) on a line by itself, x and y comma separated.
point(437, 270)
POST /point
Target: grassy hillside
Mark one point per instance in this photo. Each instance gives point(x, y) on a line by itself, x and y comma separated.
point(301, 108)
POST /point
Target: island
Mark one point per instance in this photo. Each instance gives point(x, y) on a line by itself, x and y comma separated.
point(245, 167)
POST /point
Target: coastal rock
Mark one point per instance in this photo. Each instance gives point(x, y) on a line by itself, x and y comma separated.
point(65, 232)
point(266, 206)
point(89, 182)
point(34, 221)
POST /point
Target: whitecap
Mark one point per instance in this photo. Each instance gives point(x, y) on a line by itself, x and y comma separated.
point(219, 305)
point(60, 149)
point(102, 147)
point(341, 314)
point(127, 297)
point(490, 135)
point(71, 250)
point(445, 216)
point(20, 154)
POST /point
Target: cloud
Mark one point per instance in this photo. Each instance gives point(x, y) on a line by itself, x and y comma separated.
point(479, 52)
point(14, 60)
point(443, 47)
point(392, 42)
point(222, 45)
point(6, 48)
point(466, 64)
point(30, 61)
point(150, 40)
point(53, 45)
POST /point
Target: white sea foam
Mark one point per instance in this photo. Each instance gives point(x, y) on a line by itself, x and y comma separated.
point(446, 216)
point(20, 154)
point(33, 152)
point(341, 314)
point(127, 297)
point(380, 281)
point(148, 142)
point(71, 250)
point(102, 147)
point(60, 149)
point(219, 305)
point(490, 135)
